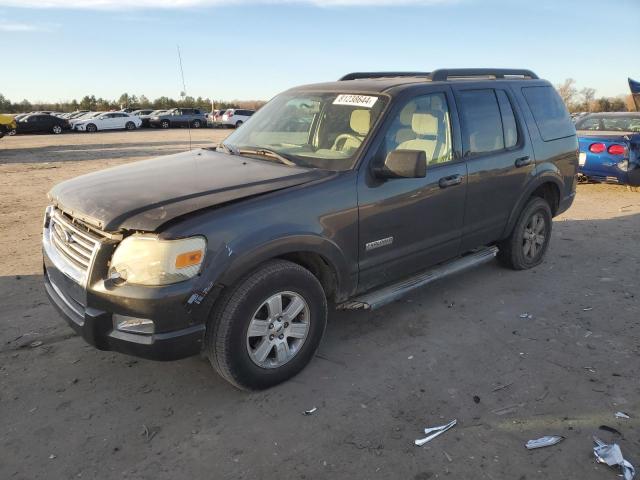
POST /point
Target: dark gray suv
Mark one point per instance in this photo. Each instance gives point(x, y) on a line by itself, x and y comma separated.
point(350, 193)
point(180, 117)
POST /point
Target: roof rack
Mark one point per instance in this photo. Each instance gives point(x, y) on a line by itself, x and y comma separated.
point(359, 75)
point(445, 73)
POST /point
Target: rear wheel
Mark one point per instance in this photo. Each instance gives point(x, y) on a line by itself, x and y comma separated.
point(238, 123)
point(633, 189)
point(267, 328)
point(130, 126)
point(91, 128)
point(196, 124)
point(57, 129)
point(526, 246)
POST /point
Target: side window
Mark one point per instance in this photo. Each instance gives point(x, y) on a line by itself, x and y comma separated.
point(549, 112)
point(482, 124)
point(508, 120)
point(423, 124)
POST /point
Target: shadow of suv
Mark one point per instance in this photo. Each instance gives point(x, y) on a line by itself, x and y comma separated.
point(349, 193)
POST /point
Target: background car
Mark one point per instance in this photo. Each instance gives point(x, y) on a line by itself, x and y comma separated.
point(180, 117)
point(7, 125)
point(42, 123)
point(610, 148)
point(234, 117)
point(108, 121)
point(147, 116)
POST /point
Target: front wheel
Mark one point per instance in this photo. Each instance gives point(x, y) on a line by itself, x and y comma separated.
point(238, 123)
point(165, 124)
point(91, 128)
point(56, 130)
point(266, 329)
point(526, 246)
point(130, 126)
point(196, 124)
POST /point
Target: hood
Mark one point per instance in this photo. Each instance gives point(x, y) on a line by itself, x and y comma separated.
point(146, 194)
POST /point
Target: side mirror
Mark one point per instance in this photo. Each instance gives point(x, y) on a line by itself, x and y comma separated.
point(404, 164)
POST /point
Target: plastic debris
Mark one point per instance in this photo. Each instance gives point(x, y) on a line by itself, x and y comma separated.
point(612, 456)
point(311, 412)
point(433, 432)
point(36, 344)
point(542, 442)
point(526, 315)
point(622, 415)
point(588, 309)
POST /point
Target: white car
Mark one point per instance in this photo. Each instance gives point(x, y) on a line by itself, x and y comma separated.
point(234, 117)
point(108, 121)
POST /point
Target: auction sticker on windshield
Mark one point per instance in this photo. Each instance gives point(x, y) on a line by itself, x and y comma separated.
point(356, 100)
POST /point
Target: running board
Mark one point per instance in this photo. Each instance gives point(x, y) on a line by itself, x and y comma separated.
point(377, 298)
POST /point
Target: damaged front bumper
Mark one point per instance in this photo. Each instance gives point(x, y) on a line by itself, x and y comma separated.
point(94, 307)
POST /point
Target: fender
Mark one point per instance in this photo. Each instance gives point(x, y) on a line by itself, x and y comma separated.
point(550, 174)
point(228, 267)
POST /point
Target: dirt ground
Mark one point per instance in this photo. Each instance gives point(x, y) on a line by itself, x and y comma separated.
point(457, 349)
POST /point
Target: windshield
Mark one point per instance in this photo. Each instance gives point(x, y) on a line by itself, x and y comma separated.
point(611, 123)
point(310, 129)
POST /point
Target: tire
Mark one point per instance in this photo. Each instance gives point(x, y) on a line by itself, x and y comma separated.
point(91, 128)
point(633, 189)
point(130, 126)
point(56, 130)
point(520, 253)
point(165, 124)
point(196, 124)
point(235, 355)
point(238, 123)
point(12, 132)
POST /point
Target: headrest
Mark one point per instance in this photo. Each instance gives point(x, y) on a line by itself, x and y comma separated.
point(361, 121)
point(406, 115)
point(424, 124)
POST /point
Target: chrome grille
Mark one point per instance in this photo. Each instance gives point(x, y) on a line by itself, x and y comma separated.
point(75, 244)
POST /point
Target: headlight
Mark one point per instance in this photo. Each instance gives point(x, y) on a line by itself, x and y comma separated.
point(147, 260)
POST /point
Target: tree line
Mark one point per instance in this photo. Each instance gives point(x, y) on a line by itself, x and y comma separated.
point(584, 100)
point(90, 102)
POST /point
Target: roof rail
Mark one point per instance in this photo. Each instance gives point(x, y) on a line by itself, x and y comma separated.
point(359, 75)
point(445, 73)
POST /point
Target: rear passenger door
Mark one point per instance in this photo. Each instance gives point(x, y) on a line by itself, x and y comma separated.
point(499, 159)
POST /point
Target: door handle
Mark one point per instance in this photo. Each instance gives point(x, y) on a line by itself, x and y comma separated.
point(523, 161)
point(450, 181)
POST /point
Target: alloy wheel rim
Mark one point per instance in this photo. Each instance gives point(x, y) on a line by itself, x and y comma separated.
point(534, 236)
point(278, 329)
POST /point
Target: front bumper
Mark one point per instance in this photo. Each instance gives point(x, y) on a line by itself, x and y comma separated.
point(88, 305)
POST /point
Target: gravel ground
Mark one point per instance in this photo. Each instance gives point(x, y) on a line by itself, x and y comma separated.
point(457, 349)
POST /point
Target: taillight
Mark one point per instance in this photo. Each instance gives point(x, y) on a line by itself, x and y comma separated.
point(617, 149)
point(597, 147)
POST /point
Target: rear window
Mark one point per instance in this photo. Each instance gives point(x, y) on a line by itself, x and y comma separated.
point(549, 112)
point(612, 123)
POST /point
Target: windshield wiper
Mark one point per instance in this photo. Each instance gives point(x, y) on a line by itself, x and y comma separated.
point(265, 152)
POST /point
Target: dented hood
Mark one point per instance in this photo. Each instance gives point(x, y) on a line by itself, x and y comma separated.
point(146, 194)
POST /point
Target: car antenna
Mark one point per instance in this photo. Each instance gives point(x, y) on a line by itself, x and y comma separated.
point(183, 93)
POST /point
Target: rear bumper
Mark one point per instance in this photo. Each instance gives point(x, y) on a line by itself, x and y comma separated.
point(631, 177)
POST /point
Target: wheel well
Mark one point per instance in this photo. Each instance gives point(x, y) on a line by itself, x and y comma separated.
point(320, 268)
point(551, 193)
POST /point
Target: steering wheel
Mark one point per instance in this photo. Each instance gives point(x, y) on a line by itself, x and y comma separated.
point(344, 137)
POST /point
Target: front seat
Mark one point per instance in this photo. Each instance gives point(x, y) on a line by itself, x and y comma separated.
point(360, 123)
point(425, 129)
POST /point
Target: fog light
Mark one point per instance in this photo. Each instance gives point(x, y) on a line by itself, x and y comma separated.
point(142, 326)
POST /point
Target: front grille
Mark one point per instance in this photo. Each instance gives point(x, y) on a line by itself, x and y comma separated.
point(76, 243)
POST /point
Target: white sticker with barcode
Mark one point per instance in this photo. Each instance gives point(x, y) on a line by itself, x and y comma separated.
point(355, 100)
point(582, 158)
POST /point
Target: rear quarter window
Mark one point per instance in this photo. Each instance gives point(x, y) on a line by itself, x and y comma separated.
point(550, 114)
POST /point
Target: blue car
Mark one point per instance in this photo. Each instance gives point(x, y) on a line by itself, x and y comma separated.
point(609, 148)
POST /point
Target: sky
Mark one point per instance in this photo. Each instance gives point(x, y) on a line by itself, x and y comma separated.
point(252, 49)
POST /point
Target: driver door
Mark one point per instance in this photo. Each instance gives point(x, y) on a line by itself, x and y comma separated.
point(409, 224)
